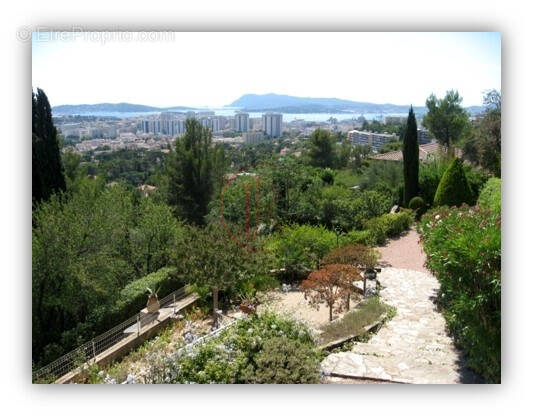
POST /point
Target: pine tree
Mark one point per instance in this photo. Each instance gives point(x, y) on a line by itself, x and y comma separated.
point(322, 149)
point(192, 173)
point(410, 159)
point(47, 169)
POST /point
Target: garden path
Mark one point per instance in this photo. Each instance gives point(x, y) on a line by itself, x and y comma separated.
point(413, 346)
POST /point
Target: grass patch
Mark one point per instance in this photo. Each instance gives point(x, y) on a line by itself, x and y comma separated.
point(354, 322)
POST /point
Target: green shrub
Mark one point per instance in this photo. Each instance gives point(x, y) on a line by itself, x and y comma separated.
point(285, 361)
point(463, 247)
point(491, 195)
point(416, 203)
point(134, 295)
point(299, 248)
point(264, 348)
point(356, 237)
point(454, 188)
point(476, 179)
point(388, 225)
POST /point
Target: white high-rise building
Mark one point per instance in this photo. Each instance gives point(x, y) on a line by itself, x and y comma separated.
point(242, 122)
point(272, 124)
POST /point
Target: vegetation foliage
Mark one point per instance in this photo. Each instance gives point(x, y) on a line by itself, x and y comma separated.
point(260, 349)
point(454, 188)
point(463, 247)
point(491, 195)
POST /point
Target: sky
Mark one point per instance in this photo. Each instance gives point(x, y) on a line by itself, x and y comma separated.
point(214, 69)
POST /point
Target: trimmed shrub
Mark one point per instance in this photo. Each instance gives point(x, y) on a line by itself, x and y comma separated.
point(356, 237)
point(418, 205)
point(491, 195)
point(388, 225)
point(454, 188)
point(463, 247)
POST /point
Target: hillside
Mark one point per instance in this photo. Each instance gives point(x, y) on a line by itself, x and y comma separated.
point(110, 107)
point(292, 104)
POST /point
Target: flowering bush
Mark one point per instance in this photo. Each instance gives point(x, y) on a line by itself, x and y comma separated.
point(463, 246)
point(264, 348)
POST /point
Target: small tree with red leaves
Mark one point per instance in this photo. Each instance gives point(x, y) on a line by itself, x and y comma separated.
point(357, 255)
point(330, 284)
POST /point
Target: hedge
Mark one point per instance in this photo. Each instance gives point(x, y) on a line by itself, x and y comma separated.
point(463, 247)
point(388, 225)
point(379, 228)
point(491, 195)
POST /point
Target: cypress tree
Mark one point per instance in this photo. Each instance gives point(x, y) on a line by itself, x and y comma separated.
point(410, 159)
point(47, 169)
point(454, 188)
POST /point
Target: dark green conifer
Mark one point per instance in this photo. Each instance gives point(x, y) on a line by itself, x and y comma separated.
point(410, 159)
point(47, 169)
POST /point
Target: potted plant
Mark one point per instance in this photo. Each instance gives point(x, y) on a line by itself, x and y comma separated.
point(152, 305)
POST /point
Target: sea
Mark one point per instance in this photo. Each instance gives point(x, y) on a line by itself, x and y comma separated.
point(230, 111)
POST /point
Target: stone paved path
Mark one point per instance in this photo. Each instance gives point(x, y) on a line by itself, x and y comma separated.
point(413, 347)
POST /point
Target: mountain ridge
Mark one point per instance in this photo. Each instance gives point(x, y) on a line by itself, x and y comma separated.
point(260, 103)
point(283, 102)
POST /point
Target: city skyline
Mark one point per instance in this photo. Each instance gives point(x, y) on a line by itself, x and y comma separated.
point(200, 69)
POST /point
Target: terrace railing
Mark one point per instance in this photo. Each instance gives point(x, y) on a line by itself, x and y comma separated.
point(101, 343)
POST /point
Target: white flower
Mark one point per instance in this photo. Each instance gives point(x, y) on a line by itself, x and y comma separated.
point(437, 217)
point(273, 326)
point(250, 330)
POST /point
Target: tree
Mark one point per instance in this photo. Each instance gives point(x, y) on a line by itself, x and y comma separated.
point(410, 159)
point(152, 236)
point(211, 258)
point(484, 146)
point(79, 261)
point(344, 154)
point(191, 173)
point(47, 170)
point(357, 255)
point(322, 149)
point(330, 284)
point(454, 188)
point(446, 119)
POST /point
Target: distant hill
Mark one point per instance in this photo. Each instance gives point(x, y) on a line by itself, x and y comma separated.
point(109, 107)
point(291, 104)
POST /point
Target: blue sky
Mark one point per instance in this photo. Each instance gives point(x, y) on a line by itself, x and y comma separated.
point(213, 69)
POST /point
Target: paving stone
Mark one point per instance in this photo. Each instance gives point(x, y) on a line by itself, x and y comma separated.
point(414, 345)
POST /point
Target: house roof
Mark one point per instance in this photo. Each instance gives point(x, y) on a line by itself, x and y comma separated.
point(424, 151)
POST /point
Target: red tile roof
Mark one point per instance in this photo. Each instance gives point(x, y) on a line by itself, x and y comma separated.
point(424, 151)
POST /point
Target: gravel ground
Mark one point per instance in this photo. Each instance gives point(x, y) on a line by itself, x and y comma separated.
point(294, 304)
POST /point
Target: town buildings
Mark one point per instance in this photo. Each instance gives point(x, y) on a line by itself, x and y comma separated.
point(251, 137)
point(374, 140)
point(242, 122)
point(272, 124)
